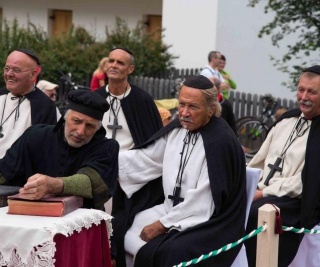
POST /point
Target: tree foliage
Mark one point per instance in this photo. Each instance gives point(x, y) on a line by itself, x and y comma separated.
point(78, 52)
point(298, 18)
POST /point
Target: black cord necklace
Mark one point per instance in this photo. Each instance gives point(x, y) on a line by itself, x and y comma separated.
point(299, 129)
point(115, 108)
point(185, 156)
point(16, 109)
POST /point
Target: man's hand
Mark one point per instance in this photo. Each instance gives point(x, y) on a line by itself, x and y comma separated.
point(39, 185)
point(257, 195)
point(153, 230)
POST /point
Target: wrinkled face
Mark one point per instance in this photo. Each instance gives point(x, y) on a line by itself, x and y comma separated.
point(308, 96)
point(20, 73)
point(119, 65)
point(79, 128)
point(193, 111)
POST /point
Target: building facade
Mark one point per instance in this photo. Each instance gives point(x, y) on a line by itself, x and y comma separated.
point(192, 29)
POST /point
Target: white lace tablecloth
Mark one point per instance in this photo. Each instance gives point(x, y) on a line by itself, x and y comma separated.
point(27, 241)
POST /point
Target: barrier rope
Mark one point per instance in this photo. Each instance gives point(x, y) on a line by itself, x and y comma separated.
point(224, 248)
point(301, 230)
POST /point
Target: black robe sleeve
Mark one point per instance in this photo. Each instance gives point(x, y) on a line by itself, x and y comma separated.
point(40, 149)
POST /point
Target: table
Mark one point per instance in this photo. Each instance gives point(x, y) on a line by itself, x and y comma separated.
point(78, 239)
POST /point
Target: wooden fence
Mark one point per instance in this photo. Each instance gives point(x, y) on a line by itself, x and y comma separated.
point(244, 104)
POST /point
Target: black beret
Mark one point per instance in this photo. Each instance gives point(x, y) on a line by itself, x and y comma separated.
point(30, 54)
point(314, 69)
point(198, 82)
point(88, 103)
point(122, 48)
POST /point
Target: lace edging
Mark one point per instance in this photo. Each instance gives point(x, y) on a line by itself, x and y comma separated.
point(68, 226)
point(41, 255)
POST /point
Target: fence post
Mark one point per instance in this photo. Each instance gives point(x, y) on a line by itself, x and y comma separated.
point(267, 241)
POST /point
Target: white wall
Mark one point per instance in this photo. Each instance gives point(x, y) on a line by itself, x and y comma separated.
point(248, 57)
point(94, 15)
point(190, 27)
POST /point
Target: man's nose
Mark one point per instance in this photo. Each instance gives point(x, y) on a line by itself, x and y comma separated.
point(304, 95)
point(184, 111)
point(81, 129)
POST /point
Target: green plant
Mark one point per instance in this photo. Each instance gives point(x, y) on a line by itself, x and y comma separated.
point(151, 55)
point(79, 53)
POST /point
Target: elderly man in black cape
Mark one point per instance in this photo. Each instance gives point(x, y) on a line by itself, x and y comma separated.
point(73, 157)
point(289, 158)
point(22, 104)
point(199, 204)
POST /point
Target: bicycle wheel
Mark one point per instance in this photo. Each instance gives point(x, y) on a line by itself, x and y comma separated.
point(242, 120)
point(251, 135)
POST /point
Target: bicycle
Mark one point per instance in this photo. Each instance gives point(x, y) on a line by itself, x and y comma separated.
point(66, 85)
point(252, 131)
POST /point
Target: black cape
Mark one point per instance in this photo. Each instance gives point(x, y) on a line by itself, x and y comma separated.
point(304, 212)
point(41, 149)
point(43, 109)
point(227, 173)
point(141, 113)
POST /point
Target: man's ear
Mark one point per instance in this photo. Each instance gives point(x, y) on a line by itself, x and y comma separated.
point(36, 73)
point(131, 69)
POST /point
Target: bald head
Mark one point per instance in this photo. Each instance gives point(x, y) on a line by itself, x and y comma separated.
point(20, 73)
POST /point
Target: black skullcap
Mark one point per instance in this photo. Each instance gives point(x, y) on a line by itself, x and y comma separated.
point(122, 48)
point(88, 103)
point(30, 54)
point(198, 82)
point(314, 69)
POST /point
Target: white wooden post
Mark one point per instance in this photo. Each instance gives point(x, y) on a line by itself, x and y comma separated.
point(267, 241)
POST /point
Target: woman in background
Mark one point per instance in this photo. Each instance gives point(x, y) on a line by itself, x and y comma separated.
point(99, 77)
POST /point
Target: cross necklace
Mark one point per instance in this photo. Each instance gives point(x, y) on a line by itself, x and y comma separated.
point(115, 108)
point(299, 129)
point(185, 156)
point(21, 99)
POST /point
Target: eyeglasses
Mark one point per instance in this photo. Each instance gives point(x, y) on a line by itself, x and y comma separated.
point(15, 70)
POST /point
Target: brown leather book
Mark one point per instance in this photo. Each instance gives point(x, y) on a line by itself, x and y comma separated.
point(46, 206)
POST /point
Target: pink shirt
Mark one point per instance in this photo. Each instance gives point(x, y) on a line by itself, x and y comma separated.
point(94, 84)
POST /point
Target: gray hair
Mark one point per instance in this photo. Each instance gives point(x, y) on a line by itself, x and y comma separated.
point(213, 54)
point(309, 75)
point(210, 99)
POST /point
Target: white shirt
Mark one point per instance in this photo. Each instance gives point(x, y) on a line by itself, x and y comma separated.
point(12, 127)
point(123, 135)
point(137, 167)
point(287, 183)
point(209, 72)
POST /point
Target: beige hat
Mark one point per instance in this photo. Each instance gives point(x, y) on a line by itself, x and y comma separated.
point(45, 85)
